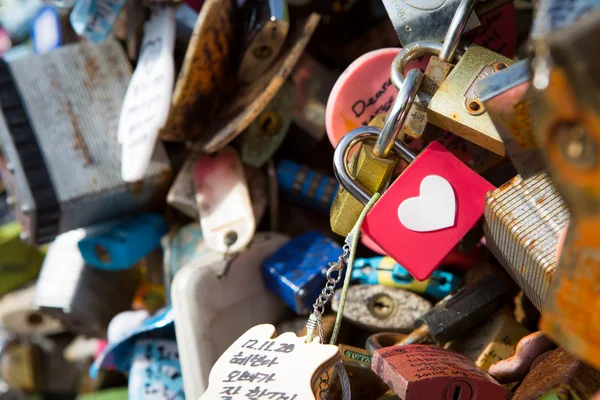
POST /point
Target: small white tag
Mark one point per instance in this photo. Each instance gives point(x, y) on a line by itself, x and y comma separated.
point(260, 366)
point(148, 97)
point(226, 214)
point(434, 209)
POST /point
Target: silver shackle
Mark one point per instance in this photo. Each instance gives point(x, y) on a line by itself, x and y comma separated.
point(365, 133)
point(398, 113)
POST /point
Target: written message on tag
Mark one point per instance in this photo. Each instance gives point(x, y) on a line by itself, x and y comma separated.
point(258, 366)
point(148, 97)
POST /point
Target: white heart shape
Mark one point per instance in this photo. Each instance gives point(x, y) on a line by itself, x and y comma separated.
point(434, 209)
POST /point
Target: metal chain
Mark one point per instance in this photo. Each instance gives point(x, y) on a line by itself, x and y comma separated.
point(319, 307)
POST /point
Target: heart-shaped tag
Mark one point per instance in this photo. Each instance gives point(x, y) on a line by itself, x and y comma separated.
point(434, 209)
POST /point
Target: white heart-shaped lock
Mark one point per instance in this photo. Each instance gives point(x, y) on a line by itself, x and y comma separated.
point(434, 209)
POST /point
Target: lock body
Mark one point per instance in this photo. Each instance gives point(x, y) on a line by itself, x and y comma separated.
point(559, 371)
point(296, 272)
point(123, 244)
point(83, 298)
point(60, 157)
point(523, 220)
point(457, 106)
point(436, 200)
point(381, 309)
point(428, 372)
point(375, 174)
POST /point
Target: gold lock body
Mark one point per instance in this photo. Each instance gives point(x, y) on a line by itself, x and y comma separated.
point(456, 106)
point(373, 173)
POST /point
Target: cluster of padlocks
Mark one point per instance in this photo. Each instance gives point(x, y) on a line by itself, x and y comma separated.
point(168, 168)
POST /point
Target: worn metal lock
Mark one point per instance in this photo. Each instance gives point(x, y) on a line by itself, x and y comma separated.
point(449, 201)
point(560, 372)
point(492, 341)
point(60, 161)
point(381, 309)
point(523, 220)
point(458, 313)
point(266, 134)
point(83, 298)
point(122, 244)
point(296, 272)
point(503, 95)
point(457, 106)
point(386, 272)
point(306, 186)
point(417, 372)
point(266, 27)
point(565, 113)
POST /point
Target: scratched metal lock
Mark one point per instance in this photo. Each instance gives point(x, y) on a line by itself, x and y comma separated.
point(386, 272)
point(503, 95)
point(296, 271)
point(83, 298)
point(266, 28)
point(266, 134)
point(523, 221)
point(566, 113)
point(457, 106)
point(20, 365)
point(557, 374)
point(456, 314)
point(123, 243)
point(70, 134)
point(381, 309)
point(427, 20)
point(449, 201)
point(417, 372)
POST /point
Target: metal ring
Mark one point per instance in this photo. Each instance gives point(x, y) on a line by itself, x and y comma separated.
point(383, 339)
point(364, 133)
point(455, 31)
point(398, 113)
point(409, 53)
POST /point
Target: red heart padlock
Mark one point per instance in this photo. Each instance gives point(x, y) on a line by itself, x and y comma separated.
point(426, 211)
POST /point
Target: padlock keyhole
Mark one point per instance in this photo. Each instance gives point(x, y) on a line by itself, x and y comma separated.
point(457, 391)
point(267, 123)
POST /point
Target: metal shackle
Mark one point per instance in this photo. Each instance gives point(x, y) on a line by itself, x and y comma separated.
point(349, 140)
point(409, 53)
point(398, 113)
point(456, 29)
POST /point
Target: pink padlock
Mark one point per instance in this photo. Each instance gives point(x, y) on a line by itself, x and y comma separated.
point(425, 213)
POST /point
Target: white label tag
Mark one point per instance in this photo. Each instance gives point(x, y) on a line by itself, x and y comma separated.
point(260, 366)
point(226, 214)
point(148, 97)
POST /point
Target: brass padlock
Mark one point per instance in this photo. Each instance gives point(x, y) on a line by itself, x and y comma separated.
point(457, 106)
point(374, 164)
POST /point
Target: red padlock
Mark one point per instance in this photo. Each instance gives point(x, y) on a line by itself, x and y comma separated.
point(426, 211)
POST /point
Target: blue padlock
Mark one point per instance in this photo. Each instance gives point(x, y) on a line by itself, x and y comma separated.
point(386, 272)
point(296, 273)
point(46, 31)
point(119, 246)
point(306, 186)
